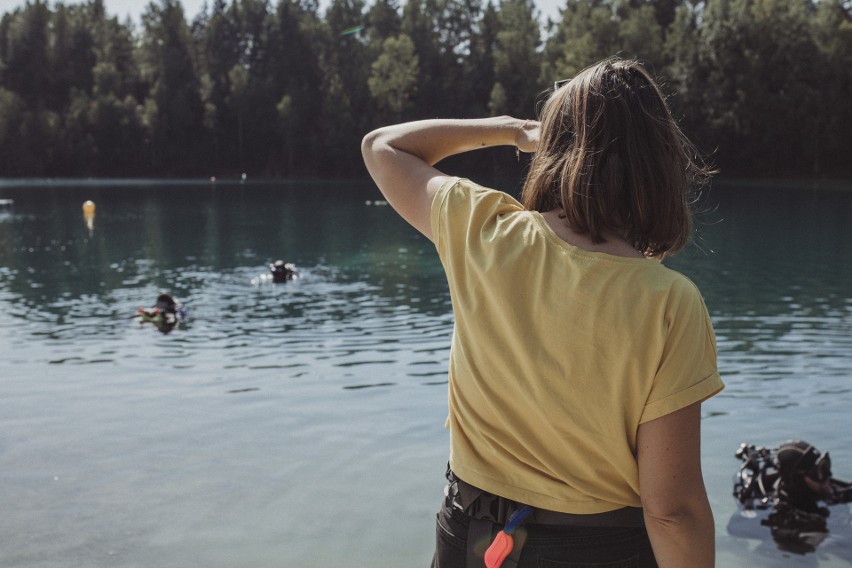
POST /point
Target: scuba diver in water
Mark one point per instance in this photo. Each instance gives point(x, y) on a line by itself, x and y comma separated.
point(794, 481)
point(282, 272)
point(166, 314)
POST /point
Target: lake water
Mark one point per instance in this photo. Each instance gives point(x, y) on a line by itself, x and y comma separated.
point(301, 424)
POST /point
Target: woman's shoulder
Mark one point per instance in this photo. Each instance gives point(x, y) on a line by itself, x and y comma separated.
point(681, 292)
point(458, 190)
point(667, 280)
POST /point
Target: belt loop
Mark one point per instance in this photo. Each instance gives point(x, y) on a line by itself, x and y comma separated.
point(478, 540)
point(504, 508)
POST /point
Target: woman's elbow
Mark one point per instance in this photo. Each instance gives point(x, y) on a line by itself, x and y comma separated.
point(368, 143)
point(674, 510)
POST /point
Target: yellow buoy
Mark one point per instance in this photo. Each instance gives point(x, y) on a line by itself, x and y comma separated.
point(89, 215)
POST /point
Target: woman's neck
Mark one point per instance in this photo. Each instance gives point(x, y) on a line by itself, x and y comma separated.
point(614, 244)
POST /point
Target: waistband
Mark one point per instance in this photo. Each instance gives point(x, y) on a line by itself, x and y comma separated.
point(481, 504)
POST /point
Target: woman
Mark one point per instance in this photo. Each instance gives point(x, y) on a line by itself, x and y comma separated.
point(578, 361)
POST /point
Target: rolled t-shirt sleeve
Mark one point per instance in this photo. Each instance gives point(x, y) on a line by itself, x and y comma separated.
point(687, 372)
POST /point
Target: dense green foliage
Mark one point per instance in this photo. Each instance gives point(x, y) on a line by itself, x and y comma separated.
point(284, 90)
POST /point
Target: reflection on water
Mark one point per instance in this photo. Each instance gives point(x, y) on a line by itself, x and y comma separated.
point(301, 423)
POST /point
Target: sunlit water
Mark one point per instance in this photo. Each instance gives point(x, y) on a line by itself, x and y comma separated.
point(301, 424)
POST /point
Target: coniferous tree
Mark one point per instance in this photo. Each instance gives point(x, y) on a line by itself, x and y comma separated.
point(517, 65)
point(640, 35)
point(26, 73)
point(383, 21)
point(27, 69)
point(393, 79)
point(418, 21)
point(346, 69)
point(252, 93)
point(586, 33)
point(297, 80)
point(173, 110)
point(479, 64)
point(831, 29)
point(220, 49)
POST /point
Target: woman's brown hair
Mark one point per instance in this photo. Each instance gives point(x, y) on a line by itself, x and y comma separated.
point(612, 158)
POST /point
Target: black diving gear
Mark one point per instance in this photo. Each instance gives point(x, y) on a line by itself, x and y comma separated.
point(794, 480)
point(166, 313)
point(795, 473)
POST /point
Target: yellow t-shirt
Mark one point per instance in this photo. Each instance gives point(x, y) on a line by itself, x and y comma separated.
point(559, 354)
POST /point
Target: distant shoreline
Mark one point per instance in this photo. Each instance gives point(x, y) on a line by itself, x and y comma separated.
point(719, 182)
point(783, 183)
point(131, 182)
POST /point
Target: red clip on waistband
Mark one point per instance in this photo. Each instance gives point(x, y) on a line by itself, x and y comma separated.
point(503, 542)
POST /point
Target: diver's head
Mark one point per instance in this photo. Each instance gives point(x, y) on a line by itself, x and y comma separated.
point(804, 469)
point(166, 303)
point(281, 271)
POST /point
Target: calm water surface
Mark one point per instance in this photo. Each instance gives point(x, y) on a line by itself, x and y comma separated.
point(302, 424)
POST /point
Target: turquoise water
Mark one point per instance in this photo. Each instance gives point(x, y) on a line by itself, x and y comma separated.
point(302, 424)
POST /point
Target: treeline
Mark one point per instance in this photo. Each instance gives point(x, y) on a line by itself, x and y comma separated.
point(287, 90)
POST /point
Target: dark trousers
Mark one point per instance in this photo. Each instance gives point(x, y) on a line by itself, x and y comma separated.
point(546, 546)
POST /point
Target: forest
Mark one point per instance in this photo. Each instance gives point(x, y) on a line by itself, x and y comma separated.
point(764, 87)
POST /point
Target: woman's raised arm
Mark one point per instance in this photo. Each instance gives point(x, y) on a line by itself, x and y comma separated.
point(401, 158)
